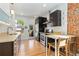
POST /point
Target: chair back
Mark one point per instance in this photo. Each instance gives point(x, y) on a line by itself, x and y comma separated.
point(62, 42)
point(57, 33)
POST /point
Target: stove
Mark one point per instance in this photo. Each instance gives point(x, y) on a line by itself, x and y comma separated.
point(43, 39)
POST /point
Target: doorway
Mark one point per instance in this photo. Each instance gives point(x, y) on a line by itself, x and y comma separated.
point(31, 31)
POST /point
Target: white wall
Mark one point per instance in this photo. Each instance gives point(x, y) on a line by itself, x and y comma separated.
point(63, 27)
point(28, 20)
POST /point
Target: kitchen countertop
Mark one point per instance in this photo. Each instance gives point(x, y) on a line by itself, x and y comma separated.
point(4, 37)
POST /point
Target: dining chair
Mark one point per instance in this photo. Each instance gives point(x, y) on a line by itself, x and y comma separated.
point(67, 47)
point(72, 46)
point(62, 47)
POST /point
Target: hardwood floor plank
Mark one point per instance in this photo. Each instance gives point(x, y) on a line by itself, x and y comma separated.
point(31, 48)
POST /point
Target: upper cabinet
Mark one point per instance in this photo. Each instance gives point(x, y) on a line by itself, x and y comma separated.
point(4, 12)
point(5, 7)
point(3, 16)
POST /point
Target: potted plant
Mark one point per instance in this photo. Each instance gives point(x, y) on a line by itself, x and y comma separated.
point(21, 23)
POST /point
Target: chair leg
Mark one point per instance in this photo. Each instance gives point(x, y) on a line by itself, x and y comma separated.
point(66, 50)
point(49, 48)
point(58, 51)
point(69, 49)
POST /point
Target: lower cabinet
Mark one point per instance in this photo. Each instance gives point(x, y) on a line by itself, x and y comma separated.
point(7, 49)
point(10, 48)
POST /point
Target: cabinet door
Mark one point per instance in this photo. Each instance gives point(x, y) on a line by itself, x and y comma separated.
point(3, 16)
point(6, 49)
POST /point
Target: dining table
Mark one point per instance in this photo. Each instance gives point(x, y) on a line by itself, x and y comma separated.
point(57, 37)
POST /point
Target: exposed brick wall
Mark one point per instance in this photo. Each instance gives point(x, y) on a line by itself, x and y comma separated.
point(73, 20)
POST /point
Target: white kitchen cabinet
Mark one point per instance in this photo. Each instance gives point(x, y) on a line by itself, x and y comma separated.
point(4, 13)
point(5, 7)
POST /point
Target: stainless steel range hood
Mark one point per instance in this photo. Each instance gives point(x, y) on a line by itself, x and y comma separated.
point(49, 23)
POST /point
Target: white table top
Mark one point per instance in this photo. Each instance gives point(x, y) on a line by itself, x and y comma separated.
point(60, 36)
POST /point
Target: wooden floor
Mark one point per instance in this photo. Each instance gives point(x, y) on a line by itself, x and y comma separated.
point(32, 48)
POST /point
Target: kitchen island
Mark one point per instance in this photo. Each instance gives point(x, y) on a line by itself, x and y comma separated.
point(8, 43)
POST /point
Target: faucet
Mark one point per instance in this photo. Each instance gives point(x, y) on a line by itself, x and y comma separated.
point(9, 29)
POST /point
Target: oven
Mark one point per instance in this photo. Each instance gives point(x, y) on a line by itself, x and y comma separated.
point(42, 39)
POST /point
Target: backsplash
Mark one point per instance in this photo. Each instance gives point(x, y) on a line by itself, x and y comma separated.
point(3, 28)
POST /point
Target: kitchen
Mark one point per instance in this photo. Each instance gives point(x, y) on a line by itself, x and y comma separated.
point(45, 20)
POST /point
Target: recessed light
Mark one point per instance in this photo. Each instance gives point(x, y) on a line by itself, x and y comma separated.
point(44, 5)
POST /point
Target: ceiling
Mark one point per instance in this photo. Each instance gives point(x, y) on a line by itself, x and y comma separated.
point(34, 9)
